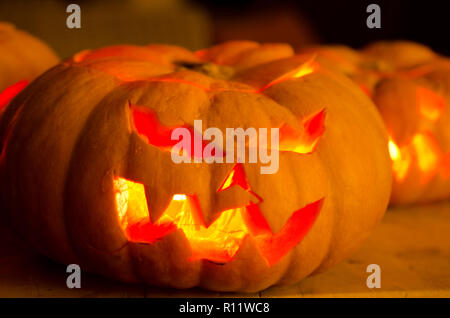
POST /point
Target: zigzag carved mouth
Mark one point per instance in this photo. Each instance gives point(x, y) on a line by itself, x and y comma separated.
point(220, 241)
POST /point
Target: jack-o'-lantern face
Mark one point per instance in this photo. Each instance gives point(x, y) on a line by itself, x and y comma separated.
point(221, 238)
point(215, 231)
point(416, 116)
point(422, 146)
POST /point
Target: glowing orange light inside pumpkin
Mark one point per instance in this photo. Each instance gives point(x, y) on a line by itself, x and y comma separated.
point(428, 153)
point(430, 104)
point(235, 177)
point(227, 182)
point(394, 152)
point(148, 125)
point(179, 197)
point(10, 92)
point(303, 70)
point(130, 202)
point(5, 97)
point(303, 142)
point(306, 68)
point(220, 241)
point(401, 160)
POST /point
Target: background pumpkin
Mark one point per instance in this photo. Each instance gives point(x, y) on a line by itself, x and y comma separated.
point(409, 83)
point(22, 56)
point(82, 145)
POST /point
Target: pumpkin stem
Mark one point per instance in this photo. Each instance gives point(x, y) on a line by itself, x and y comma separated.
point(210, 69)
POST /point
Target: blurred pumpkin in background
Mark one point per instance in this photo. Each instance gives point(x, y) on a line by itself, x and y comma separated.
point(22, 56)
point(410, 85)
point(94, 180)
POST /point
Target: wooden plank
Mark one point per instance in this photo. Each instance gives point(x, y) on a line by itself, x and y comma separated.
point(411, 245)
point(23, 273)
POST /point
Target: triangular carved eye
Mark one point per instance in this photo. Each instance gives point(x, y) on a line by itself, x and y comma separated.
point(305, 141)
point(148, 126)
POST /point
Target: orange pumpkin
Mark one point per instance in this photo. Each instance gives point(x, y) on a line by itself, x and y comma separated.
point(410, 84)
point(22, 56)
point(96, 183)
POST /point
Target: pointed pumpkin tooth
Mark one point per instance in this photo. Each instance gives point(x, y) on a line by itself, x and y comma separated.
point(203, 202)
point(232, 198)
point(157, 204)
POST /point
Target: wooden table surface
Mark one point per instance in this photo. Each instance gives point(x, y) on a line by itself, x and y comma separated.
point(411, 245)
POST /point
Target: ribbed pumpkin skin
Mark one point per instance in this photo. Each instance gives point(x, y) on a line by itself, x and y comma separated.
point(72, 136)
point(393, 73)
point(22, 56)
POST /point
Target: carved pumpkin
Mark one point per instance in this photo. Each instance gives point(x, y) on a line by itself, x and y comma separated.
point(96, 183)
point(22, 56)
point(410, 84)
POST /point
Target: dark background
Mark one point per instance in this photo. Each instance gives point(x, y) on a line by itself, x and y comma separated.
point(344, 21)
point(199, 23)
